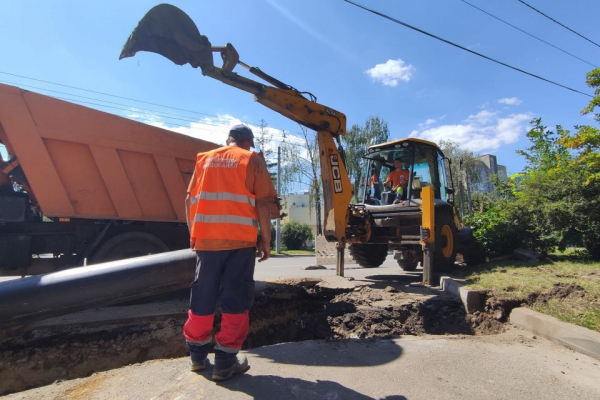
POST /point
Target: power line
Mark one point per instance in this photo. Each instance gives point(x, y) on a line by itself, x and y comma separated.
point(133, 108)
point(527, 33)
point(107, 94)
point(552, 19)
point(130, 108)
point(462, 47)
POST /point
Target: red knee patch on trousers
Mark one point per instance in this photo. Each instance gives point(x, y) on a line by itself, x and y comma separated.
point(198, 327)
point(234, 329)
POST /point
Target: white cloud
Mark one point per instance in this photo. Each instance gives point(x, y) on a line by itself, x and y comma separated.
point(511, 101)
point(482, 117)
point(216, 129)
point(485, 130)
point(428, 122)
point(391, 72)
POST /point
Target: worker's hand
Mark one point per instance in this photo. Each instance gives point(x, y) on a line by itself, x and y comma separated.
point(264, 250)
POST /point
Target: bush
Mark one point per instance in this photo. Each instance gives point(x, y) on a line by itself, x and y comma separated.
point(294, 235)
point(501, 229)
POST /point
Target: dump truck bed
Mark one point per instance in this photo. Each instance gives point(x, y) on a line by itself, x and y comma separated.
point(84, 163)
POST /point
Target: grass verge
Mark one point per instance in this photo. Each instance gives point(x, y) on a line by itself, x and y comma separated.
point(567, 289)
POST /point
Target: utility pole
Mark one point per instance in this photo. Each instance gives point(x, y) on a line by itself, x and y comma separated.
point(278, 220)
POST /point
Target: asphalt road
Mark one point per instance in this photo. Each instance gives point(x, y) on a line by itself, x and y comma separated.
point(287, 267)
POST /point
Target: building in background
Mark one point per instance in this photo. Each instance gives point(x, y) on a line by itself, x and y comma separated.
point(488, 166)
point(297, 208)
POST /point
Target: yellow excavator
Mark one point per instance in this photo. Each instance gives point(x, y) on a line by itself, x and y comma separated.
point(380, 221)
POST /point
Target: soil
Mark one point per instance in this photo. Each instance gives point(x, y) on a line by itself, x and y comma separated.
point(499, 306)
point(284, 311)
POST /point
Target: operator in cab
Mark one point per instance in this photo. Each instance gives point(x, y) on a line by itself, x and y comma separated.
point(230, 195)
point(398, 180)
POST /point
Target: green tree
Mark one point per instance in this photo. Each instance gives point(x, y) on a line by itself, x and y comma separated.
point(546, 151)
point(586, 141)
point(466, 173)
point(262, 140)
point(356, 141)
point(294, 235)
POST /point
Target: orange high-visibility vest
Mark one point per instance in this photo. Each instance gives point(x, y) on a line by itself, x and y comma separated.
point(221, 208)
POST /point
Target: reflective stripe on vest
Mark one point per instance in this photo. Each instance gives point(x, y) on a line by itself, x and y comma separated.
point(240, 198)
point(225, 219)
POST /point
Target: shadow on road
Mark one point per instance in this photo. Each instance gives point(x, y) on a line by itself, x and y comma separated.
point(277, 387)
point(338, 353)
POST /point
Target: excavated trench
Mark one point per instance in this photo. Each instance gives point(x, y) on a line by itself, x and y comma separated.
point(283, 312)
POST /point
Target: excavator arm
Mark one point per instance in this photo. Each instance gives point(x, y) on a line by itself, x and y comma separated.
point(168, 31)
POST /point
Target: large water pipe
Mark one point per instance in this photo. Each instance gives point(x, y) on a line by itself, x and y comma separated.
point(39, 297)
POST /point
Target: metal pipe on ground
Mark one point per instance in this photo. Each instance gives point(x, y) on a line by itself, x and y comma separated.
point(39, 297)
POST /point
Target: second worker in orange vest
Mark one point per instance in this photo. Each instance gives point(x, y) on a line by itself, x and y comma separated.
point(229, 196)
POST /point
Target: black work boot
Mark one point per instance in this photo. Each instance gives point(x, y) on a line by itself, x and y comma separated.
point(228, 364)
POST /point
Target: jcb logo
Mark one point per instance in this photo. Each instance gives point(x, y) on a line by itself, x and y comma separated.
point(330, 111)
point(337, 175)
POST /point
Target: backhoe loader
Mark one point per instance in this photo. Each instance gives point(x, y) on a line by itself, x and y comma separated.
point(370, 227)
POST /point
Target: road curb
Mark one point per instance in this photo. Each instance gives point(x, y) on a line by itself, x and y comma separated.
point(572, 336)
point(472, 299)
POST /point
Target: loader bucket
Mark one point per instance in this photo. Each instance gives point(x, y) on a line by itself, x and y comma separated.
point(168, 31)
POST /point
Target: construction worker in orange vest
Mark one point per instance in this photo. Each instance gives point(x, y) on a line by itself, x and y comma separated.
point(229, 196)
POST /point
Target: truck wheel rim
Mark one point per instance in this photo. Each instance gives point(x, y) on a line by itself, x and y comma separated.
point(447, 250)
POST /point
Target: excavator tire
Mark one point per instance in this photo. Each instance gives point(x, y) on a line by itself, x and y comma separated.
point(408, 259)
point(128, 245)
point(369, 255)
point(446, 241)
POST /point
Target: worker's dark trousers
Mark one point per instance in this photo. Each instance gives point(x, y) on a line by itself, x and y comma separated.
point(227, 274)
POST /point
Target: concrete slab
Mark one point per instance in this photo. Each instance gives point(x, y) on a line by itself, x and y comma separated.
point(508, 366)
point(472, 299)
point(572, 336)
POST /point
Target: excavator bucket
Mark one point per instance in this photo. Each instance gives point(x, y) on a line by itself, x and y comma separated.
point(168, 31)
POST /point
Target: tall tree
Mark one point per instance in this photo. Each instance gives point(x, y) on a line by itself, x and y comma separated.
point(302, 167)
point(586, 141)
point(262, 140)
point(357, 139)
point(466, 172)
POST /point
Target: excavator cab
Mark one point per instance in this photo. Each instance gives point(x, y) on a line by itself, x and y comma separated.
point(420, 163)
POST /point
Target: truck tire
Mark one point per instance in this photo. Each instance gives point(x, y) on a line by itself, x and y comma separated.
point(369, 255)
point(128, 245)
point(408, 259)
point(445, 242)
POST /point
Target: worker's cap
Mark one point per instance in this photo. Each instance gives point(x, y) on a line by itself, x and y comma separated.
point(241, 132)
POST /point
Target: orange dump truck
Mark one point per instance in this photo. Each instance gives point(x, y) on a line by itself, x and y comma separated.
point(77, 183)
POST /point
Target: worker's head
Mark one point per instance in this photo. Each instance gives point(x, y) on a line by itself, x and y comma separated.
point(398, 163)
point(242, 136)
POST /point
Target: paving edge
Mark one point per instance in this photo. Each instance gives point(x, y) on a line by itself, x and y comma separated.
point(471, 299)
point(572, 336)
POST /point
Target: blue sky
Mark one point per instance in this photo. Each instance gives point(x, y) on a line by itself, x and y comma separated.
point(353, 61)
